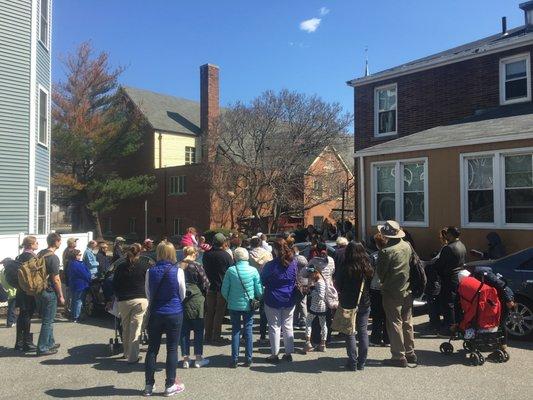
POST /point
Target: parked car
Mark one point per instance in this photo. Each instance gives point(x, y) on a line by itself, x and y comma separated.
point(517, 270)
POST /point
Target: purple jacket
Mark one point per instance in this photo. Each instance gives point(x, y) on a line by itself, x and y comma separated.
point(280, 283)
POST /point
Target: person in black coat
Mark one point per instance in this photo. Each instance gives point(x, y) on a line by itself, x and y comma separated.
point(103, 259)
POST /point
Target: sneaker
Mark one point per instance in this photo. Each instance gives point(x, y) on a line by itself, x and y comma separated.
point(272, 360)
point(360, 367)
point(247, 364)
point(350, 367)
point(148, 390)
point(308, 348)
point(287, 357)
point(391, 362)
point(411, 358)
point(55, 346)
point(321, 348)
point(46, 353)
point(174, 389)
point(201, 363)
point(233, 364)
point(185, 365)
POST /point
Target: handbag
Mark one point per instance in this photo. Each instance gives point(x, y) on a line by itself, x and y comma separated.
point(254, 303)
point(344, 319)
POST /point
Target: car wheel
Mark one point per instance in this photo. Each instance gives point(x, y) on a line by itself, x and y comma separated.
point(520, 321)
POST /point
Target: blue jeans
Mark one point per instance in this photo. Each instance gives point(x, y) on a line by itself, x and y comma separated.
point(48, 303)
point(76, 302)
point(196, 325)
point(10, 312)
point(246, 318)
point(361, 323)
point(157, 325)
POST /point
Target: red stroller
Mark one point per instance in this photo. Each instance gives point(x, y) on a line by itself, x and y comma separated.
point(480, 327)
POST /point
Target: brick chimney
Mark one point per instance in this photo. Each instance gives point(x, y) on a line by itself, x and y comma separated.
point(209, 109)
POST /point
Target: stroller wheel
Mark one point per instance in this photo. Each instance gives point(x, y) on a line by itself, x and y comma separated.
point(481, 358)
point(506, 356)
point(467, 346)
point(446, 348)
point(498, 356)
point(474, 359)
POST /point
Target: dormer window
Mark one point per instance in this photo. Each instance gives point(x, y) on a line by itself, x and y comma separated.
point(385, 106)
point(515, 79)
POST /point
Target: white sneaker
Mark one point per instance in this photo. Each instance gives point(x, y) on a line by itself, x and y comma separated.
point(148, 390)
point(185, 364)
point(174, 389)
point(201, 363)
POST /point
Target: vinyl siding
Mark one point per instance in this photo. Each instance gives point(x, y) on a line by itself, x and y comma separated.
point(42, 156)
point(173, 146)
point(15, 47)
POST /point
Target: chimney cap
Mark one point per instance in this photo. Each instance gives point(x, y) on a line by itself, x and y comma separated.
point(528, 5)
point(207, 65)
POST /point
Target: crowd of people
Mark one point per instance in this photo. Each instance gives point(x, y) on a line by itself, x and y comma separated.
point(185, 285)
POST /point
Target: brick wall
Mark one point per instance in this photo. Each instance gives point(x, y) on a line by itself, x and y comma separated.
point(434, 97)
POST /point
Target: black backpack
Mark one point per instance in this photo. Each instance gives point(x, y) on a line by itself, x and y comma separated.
point(417, 275)
point(11, 269)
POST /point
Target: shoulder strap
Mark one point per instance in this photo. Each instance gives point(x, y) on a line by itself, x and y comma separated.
point(360, 292)
point(242, 283)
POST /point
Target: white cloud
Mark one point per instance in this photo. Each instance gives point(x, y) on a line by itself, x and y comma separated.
point(323, 11)
point(310, 25)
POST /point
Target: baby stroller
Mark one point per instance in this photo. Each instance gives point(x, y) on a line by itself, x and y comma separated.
point(480, 328)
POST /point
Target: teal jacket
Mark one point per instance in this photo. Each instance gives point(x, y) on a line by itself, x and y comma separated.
point(232, 289)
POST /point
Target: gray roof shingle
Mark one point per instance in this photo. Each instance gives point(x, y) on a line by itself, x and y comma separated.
point(167, 113)
point(492, 125)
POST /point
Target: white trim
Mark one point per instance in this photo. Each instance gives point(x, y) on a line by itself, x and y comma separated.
point(498, 186)
point(33, 116)
point(477, 52)
point(399, 201)
point(376, 111)
point(508, 60)
point(361, 196)
point(46, 210)
point(378, 150)
point(47, 46)
point(38, 125)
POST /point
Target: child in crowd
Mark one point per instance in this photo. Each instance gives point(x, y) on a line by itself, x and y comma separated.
point(189, 239)
point(317, 309)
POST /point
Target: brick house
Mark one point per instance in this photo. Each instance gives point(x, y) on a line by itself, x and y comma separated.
point(174, 149)
point(329, 185)
point(457, 126)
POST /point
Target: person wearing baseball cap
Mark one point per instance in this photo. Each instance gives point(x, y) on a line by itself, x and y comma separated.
point(393, 271)
point(148, 249)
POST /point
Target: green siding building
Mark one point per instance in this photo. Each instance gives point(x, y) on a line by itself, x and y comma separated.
point(25, 120)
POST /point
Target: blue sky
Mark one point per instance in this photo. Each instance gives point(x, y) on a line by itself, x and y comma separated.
point(262, 45)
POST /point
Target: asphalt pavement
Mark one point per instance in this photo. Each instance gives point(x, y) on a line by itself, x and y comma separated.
point(83, 368)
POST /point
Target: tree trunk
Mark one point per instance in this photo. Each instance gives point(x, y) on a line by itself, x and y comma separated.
point(97, 227)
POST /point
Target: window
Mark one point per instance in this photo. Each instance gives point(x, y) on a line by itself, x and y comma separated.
point(318, 188)
point(43, 37)
point(177, 226)
point(317, 222)
point(41, 212)
point(131, 224)
point(515, 79)
point(177, 185)
point(385, 106)
point(43, 117)
point(400, 192)
point(497, 189)
point(190, 155)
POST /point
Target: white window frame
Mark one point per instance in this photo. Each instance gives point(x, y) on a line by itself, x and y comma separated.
point(376, 110)
point(46, 43)
point(398, 191)
point(180, 182)
point(45, 190)
point(498, 170)
point(47, 138)
point(190, 155)
point(508, 60)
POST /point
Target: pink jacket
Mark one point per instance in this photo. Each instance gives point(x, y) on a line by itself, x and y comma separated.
point(189, 240)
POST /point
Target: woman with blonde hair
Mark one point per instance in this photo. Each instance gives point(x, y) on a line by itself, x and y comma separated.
point(197, 285)
point(165, 289)
point(128, 285)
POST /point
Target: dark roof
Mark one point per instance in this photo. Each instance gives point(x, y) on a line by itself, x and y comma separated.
point(477, 46)
point(167, 113)
point(345, 148)
point(496, 124)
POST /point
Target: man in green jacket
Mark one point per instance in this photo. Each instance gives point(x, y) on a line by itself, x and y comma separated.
point(393, 271)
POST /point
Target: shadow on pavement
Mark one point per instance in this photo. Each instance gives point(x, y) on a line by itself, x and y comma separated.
point(100, 391)
point(312, 366)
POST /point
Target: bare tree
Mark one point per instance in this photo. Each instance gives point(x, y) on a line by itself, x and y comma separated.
point(265, 149)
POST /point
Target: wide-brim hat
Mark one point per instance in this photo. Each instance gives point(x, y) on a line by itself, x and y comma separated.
point(391, 230)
